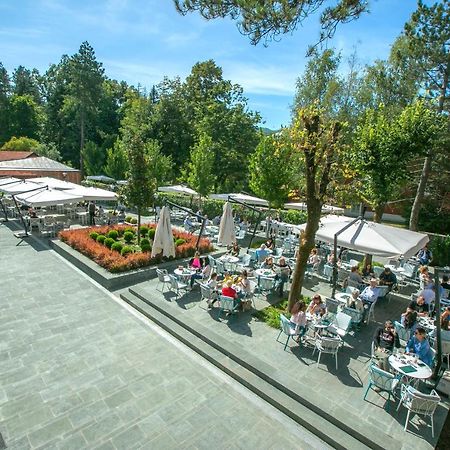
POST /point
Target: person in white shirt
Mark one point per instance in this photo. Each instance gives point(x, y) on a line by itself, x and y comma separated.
point(428, 294)
point(371, 292)
point(213, 285)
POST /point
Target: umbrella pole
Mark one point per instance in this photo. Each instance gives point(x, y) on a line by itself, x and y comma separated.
point(4, 209)
point(437, 303)
point(200, 234)
point(21, 216)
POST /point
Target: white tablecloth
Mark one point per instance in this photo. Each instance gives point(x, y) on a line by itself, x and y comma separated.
point(398, 361)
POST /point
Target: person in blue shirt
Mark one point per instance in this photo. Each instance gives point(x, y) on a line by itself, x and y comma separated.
point(425, 256)
point(420, 346)
point(261, 253)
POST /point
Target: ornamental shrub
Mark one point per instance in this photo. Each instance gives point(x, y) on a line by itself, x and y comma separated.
point(101, 238)
point(151, 233)
point(128, 219)
point(113, 234)
point(93, 235)
point(145, 241)
point(126, 250)
point(128, 236)
point(134, 220)
point(146, 248)
point(180, 242)
point(143, 230)
point(109, 242)
point(129, 230)
point(117, 246)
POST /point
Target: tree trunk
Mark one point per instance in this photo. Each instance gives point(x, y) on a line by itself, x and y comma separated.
point(426, 170)
point(378, 213)
point(82, 126)
point(139, 227)
point(306, 243)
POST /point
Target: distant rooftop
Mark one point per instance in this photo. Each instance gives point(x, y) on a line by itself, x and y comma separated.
point(9, 155)
point(37, 164)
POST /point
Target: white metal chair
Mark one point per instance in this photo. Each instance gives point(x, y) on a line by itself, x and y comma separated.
point(378, 271)
point(266, 285)
point(418, 403)
point(227, 304)
point(176, 285)
point(241, 235)
point(328, 272)
point(333, 306)
point(207, 293)
point(355, 316)
point(340, 325)
point(371, 312)
point(402, 333)
point(382, 381)
point(163, 278)
point(327, 345)
point(286, 328)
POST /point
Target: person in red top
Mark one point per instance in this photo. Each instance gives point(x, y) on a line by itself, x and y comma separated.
point(228, 291)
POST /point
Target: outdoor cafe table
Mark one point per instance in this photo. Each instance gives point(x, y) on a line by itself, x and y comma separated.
point(427, 323)
point(409, 366)
point(342, 297)
point(229, 259)
point(265, 273)
point(317, 322)
point(184, 273)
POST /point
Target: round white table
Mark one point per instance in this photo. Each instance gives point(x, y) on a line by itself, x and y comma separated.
point(427, 323)
point(265, 273)
point(342, 297)
point(229, 259)
point(407, 366)
point(184, 273)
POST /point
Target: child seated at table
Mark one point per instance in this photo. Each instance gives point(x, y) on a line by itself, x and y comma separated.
point(268, 263)
point(298, 318)
point(316, 306)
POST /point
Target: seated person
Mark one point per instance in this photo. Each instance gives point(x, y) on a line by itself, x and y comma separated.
point(428, 294)
point(419, 305)
point(355, 302)
point(368, 271)
point(445, 319)
point(244, 283)
point(355, 276)
point(331, 259)
point(234, 250)
point(32, 213)
point(188, 224)
point(445, 284)
point(214, 285)
point(316, 306)
point(283, 273)
point(196, 262)
point(385, 339)
point(409, 318)
point(261, 253)
point(424, 256)
point(387, 278)
point(229, 291)
point(313, 258)
point(203, 274)
point(425, 278)
point(298, 317)
point(270, 244)
point(216, 221)
point(420, 346)
point(268, 264)
point(371, 292)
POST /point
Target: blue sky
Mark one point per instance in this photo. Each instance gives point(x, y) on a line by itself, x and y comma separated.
point(141, 41)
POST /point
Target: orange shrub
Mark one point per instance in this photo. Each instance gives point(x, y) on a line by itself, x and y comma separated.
point(113, 261)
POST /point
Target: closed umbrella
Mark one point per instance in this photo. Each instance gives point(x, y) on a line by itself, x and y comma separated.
point(227, 233)
point(163, 241)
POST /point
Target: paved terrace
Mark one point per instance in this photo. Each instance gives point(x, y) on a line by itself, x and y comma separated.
point(80, 370)
point(337, 393)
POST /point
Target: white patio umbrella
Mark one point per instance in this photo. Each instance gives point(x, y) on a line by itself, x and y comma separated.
point(370, 237)
point(244, 198)
point(19, 187)
point(9, 180)
point(227, 232)
point(54, 183)
point(325, 208)
point(163, 241)
point(92, 193)
point(101, 179)
point(179, 189)
point(47, 197)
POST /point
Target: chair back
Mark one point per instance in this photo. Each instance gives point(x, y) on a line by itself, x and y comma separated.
point(284, 324)
point(353, 262)
point(342, 321)
point(420, 403)
point(173, 282)
point(409, 270)
point(278, 251)
point(355, 315)
point(351, 289)
point(226, 303)
point(253, 286)
point(382, 291)
point(266, 284)
point(212, 261)
point(433, 355)
point(378, 271)
point(206, 291)
point(241, 235)
point(382, 379)
point(352, 283)
point(402, 333)
point(220, 267)
point(327, 271)
point(332, 305)
point(246, 260)
point(445, 293)
point(161, 274)
point(328, 344)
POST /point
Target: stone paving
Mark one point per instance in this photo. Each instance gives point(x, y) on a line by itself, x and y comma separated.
point(80, 370)
point(341, 390)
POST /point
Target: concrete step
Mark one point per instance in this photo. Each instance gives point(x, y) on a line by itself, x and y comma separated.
point(256, 375)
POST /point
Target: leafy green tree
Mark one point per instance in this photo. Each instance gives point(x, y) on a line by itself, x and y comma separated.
point(48, 150)
point(5, 113)
point(116, 161)
point(86, 76)
point(25, 117)
point(267, 20)
point(425, 53)
point(27, 82)
point(384, 146)
point(93, 158)
point(200, 169)
point(273, 169)
point(317, 143)
point(21, 144)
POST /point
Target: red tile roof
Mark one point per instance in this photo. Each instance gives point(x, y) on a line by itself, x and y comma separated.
point(7, 155)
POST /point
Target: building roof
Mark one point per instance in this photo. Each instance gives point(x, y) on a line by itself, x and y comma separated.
point(40, 163)
point(9, 155)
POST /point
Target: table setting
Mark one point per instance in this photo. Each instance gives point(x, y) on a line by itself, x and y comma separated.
point(410, 366)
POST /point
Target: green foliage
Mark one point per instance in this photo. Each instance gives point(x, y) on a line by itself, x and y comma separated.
point(144, 230)
point(200, 169)
point(128, 219)
point(23, 144)
point(440, 247)
point(117, 246)
point(101, 238)
point(134, 220)
point(128, 236)
point(180, 242)
point(116, 165)
point(49, 150)
point(113, 234)
point(146, 248)
point(271, 314)
point(108, 242)
point(126, 250)
point(151, 233)
point(93, 158)
point(293, 216)
point(93, 235)
point(25, 116)
point(145, 241)
point(270, 176)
